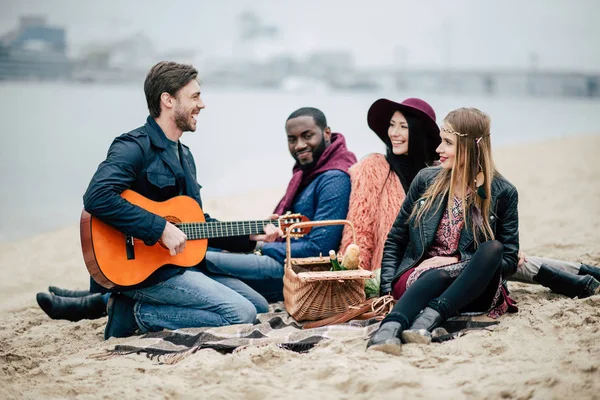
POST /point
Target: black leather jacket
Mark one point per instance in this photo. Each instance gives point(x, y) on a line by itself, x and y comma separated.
point(406, 243)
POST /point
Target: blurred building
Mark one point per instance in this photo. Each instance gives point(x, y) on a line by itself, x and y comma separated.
point(520, 82)
point(259, 59)
point(34, 50)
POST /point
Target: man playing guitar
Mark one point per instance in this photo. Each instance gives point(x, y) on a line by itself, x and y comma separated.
point(151, 161)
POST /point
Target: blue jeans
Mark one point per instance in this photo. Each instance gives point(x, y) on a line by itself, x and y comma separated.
point(195, 299)
point(261, 273)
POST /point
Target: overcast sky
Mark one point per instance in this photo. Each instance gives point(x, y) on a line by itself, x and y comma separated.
point(458, 33)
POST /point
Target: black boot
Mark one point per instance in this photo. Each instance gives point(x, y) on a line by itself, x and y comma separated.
point(590, 270)
point(387, 338)
point(72, 308)
point(121, 321)
point(68, 293)
point(567, 284)
point(420, 330)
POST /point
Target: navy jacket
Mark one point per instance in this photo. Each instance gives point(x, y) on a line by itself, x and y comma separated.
point(142, 161)
point(326, 197)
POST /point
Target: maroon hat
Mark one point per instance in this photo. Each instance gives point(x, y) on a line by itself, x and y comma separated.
point(381, 112)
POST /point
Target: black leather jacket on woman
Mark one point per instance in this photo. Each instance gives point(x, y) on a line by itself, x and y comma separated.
point(406, 244)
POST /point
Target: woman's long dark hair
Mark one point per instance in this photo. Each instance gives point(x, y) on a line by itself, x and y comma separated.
point(421, 152)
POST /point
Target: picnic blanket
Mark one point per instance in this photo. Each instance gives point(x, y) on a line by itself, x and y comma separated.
point(275, 327)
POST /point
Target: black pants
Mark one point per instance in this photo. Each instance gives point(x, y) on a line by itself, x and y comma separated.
point(472, 290)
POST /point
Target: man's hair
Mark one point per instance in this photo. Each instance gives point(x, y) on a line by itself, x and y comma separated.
point(315, 113)
point(169, 77)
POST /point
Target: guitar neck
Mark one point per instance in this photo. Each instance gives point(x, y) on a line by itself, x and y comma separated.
point(210, 230)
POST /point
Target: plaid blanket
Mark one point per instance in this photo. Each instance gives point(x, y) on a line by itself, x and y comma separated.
point(275, 327)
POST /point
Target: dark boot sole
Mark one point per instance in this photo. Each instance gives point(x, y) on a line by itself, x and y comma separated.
point(591, 289)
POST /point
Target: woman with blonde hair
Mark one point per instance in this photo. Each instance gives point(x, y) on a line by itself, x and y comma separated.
point(455, 239)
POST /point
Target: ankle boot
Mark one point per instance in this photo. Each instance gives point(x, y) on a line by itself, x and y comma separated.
point(68, 293)
point(422, 326)
point(72, 308)
point(590, 270)
point(567, 284)
point(387, 338)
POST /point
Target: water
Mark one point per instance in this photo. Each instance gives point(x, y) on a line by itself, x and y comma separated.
point(55, 135)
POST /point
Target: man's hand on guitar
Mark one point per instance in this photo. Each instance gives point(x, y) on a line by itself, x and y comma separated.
point(173, 239)
point(271, 232)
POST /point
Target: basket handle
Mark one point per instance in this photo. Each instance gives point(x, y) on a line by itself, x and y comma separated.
point(288, 247)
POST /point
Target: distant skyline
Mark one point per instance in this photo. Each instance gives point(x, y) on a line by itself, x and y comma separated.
point(552, 34)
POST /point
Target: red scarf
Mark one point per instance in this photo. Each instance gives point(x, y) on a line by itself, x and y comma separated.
point(335, 156)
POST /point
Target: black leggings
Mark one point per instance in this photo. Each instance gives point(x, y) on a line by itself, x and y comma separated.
point(472, 290)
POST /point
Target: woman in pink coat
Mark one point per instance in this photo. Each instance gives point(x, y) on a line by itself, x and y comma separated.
point(380, 182)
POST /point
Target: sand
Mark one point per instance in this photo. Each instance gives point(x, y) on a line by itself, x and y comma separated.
point(550, 349)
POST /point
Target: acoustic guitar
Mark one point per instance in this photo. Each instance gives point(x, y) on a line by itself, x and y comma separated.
point(115, 259)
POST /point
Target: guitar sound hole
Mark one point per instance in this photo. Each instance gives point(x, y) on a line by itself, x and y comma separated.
point(172, 219)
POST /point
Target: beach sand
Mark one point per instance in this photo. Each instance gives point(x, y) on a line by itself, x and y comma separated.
point(549, 349)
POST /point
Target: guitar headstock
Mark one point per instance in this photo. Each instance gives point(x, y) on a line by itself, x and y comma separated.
point(286, 220)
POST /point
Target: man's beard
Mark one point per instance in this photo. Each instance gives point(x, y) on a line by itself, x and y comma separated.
point(182, 120)
point(316, 154)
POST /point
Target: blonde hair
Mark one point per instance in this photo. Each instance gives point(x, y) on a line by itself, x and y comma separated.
point(473, 154)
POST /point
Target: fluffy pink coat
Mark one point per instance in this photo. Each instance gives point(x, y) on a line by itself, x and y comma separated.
point(375, 201)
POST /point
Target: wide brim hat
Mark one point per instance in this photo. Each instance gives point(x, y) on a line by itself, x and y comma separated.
point(381, 112)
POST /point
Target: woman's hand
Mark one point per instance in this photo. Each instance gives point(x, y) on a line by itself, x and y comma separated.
point(522, 260)
point(437, 261)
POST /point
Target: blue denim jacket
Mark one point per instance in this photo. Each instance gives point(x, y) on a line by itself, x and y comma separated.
point(325, 198)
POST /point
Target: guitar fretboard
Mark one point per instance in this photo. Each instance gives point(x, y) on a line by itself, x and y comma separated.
point(209, 230)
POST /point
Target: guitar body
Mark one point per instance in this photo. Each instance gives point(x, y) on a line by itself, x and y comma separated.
point(105, 251)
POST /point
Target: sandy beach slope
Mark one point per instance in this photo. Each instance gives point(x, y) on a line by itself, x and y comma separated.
point(550, 349)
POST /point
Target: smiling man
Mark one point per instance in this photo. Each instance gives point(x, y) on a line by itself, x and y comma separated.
point(319, 189)
point(153, 162)
point(307, 140)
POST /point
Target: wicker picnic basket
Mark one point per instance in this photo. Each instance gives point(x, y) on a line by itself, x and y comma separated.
point(311, 291)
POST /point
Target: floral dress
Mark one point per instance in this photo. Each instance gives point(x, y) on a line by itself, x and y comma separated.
point(445, 244)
